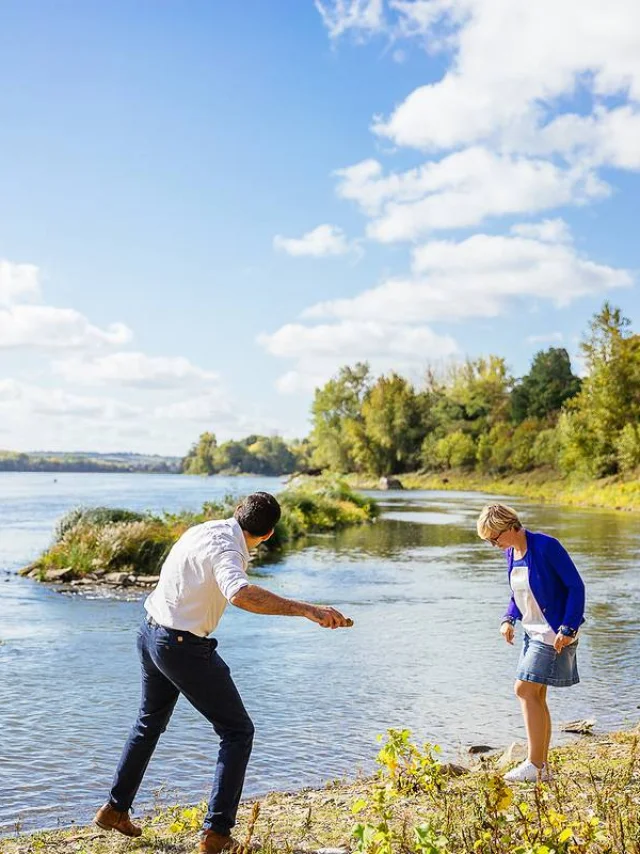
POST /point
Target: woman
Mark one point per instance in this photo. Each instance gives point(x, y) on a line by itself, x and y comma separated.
point(548, 597)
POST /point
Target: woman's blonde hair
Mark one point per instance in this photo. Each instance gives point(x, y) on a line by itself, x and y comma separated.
point(495, 519)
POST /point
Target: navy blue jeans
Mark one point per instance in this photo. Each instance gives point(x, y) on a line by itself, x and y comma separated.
point(173, 663)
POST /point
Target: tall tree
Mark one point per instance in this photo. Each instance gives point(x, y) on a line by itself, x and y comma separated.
point(476, 395)
point(609, 398)
point(200, 459)
point(542, 392)
point(337, 417)
point(389, 437)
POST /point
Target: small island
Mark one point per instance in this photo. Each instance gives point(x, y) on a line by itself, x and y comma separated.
point(116, 547)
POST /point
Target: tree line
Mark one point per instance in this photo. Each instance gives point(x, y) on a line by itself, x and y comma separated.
point(472, 416)
point(12, 461)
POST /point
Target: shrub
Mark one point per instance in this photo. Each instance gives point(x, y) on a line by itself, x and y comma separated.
point(628, 448)
point(522, 443)
point(94, 516)
point(113, 539)
point(457, 450)
point(546, 448)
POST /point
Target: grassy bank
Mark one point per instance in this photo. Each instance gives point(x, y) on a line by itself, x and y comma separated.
point(413, 806)
point(613, 493)
point(98, 542)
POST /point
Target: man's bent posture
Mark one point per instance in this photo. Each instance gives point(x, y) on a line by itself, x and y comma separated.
point(204, 570)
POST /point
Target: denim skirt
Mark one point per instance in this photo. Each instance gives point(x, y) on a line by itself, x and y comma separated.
point(539, 662)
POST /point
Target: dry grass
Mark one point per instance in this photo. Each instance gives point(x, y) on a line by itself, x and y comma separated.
point(592, 808)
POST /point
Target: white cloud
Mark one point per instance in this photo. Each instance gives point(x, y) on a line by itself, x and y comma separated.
point(323, 241)
point(214, 410)
point(548, 231)
point(210, 408)
point(18, 282)
point(360, 16)
point(134, 369)
point(18, 398)
point(43, 326)
point(479, 277)
point(417, 17)
point(49, 413)
point(52, 418)
point(397, 18)
point(320, 350)
point(546, 338)
point(511, 65)
point(461, 190)
point(606, 137)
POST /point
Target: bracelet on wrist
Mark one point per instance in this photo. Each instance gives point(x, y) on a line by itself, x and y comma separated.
point(509, 620)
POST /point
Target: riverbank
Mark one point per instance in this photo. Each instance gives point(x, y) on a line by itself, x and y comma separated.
point(415, 805)
point(107, 547)
point(609, 493)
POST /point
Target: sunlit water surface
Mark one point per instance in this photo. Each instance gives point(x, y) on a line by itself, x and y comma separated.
point(426, 597)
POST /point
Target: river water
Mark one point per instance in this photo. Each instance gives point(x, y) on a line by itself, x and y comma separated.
point(426, 596)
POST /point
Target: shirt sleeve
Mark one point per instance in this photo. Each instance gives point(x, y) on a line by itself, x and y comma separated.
point(512, 612)
point(566, 570)
point(228, 569)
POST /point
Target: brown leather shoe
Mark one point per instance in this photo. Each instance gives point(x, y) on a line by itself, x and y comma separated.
point(109, 818)
point(212, 842)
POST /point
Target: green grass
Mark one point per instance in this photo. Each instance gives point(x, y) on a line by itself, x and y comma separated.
point(98, 540)
point(614, 493)
point(413, 806)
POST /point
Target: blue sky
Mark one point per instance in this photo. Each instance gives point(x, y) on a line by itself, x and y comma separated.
point(206, 208)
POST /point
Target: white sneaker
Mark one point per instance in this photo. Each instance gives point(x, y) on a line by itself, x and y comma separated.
point(527, 772)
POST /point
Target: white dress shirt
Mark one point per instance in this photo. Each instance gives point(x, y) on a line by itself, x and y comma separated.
point(203, 571)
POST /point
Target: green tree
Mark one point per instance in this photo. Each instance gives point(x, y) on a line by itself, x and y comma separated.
point(549, 383)
point(476, 395)
point(270, 455)
point(337, 418)
point(495, 448)
point(200, 459)
point(608, 399)
point(456, 450)
point(387, 438)
point(628, 448)
point(522, 445)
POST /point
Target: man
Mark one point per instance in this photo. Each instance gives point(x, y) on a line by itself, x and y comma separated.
point(204, 570)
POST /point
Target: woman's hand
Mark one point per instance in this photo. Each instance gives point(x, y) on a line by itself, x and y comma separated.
point(561, 641)
point(507, 631)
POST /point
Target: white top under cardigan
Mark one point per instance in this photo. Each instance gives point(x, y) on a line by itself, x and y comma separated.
point(203, 571)
point(533, 620)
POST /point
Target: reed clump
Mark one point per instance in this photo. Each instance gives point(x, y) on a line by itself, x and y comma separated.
point(94, 541)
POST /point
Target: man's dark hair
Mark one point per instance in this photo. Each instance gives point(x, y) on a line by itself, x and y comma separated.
point(258, 513)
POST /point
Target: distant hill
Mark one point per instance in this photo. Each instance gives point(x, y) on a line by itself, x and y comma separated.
point(87, 461)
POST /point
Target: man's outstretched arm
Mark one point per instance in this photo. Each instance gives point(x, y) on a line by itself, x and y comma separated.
point(258, 600)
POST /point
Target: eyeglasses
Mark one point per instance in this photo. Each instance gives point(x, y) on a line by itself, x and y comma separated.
point(494, 541)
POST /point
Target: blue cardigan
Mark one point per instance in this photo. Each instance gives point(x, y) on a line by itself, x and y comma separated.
point(554, 580)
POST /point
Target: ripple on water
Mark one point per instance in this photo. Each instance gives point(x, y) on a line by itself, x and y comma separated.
point(426, 597)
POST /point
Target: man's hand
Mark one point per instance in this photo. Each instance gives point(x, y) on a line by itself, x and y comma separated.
point(257, 600)
point(561, 641)
point(507, 631)
point(328, 617)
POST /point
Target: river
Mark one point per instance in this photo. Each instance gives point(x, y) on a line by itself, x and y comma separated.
point(426, 596)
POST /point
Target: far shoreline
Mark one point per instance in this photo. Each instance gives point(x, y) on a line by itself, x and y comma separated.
point(606, 494)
